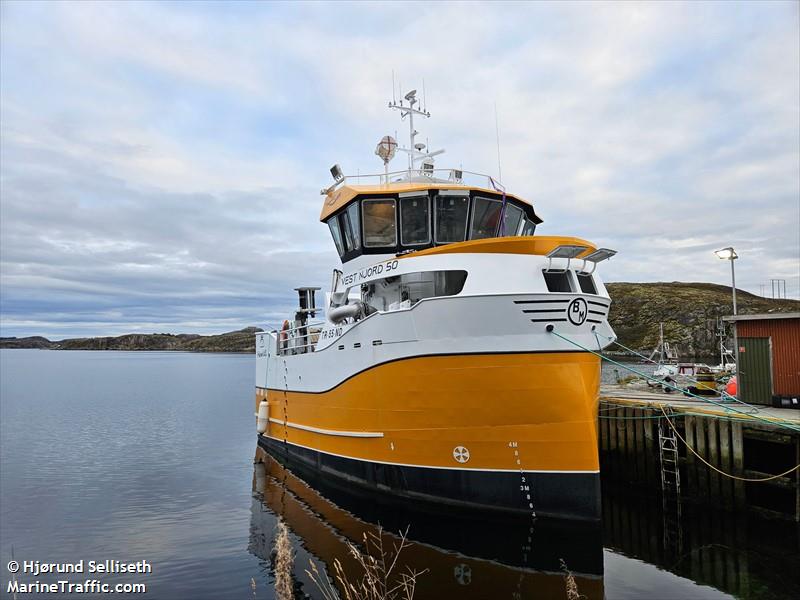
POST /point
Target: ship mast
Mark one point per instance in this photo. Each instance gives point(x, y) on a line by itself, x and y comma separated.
point(414, 151)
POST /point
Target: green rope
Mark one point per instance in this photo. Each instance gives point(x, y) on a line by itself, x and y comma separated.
point(645, 376)
point(725, 394)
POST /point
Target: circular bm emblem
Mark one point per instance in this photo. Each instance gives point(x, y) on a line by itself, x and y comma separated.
point(461, 454)
point(577, 311)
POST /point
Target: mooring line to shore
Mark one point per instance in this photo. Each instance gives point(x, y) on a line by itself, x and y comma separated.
point(708, 464)
point(724, 393)
point(551, 329)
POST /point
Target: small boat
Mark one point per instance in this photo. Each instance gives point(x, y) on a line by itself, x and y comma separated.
point(450, 364)
point(668, 364)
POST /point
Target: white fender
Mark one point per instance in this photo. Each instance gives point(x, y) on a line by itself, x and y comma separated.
point(263, 417)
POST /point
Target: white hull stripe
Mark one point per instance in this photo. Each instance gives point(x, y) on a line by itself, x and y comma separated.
point(383, 462)
point(359, 434)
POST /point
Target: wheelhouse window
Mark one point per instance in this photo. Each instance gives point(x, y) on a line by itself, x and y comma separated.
point(558, 281)
point(350, 229)
point(485, 218)
point(512, 219)
point(528, 227)
point(415, 228)
point(587, 283)
point(380, 226)
point(451, 218)
point(336, 233)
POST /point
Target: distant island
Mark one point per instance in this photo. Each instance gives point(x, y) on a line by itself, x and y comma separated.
point(689, 312)
point(242, 340)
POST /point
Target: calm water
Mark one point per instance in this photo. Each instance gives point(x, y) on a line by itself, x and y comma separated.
point(149, 456)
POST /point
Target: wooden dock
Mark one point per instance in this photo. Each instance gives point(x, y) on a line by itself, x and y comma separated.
point(745, 451)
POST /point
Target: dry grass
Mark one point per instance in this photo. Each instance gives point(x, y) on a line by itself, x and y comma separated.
point(284, 589)
point(569, 580)
point(379, 580)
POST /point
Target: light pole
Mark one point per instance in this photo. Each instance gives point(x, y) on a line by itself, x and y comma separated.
point(730, 254)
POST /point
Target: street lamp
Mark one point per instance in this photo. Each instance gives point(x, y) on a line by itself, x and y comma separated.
point(730, 254)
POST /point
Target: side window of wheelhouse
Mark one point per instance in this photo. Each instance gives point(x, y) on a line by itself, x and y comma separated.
point(528, 227)
point(415, 221)
point(355, 224)
point(336, 233)
point(350, 230)
point(512, 219)
point(380, 226)
point(485, 218)
point(451, 219)
point(587, 283)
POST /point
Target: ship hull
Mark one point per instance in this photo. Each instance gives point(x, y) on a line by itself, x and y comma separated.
point(505, 431)
point(558, 495)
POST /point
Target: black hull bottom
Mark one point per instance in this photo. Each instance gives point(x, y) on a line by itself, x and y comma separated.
point(559, 495)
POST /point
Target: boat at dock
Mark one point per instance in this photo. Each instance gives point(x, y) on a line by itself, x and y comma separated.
point(435, 374)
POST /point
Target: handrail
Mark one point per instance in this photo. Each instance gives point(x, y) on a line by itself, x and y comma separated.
point(405, 176)
point(287, 339)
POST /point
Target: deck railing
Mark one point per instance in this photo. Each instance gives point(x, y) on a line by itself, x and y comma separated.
point(454, 176)
point(300, 339)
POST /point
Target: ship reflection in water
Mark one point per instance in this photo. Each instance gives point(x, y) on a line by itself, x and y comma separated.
point(463, 557)
point(468, 556)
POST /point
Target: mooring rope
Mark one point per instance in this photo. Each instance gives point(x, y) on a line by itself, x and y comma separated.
point(724, 393)
point(552, 330)
point(708, 464)
point(779, 423)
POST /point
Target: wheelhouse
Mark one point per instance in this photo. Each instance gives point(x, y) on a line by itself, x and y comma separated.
point(395, 223)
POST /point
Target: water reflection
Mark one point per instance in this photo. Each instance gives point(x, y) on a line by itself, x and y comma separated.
point(647, 549)
point(736, 553)
point(465, 556)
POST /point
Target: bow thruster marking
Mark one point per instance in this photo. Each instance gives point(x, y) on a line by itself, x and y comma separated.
point(460, 454)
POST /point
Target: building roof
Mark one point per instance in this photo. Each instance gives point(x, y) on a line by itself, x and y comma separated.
point(763, 316)
point(342, 195)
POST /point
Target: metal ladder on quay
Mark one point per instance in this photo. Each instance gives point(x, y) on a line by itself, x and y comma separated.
point(670, 484)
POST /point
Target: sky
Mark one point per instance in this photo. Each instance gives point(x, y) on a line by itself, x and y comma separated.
point(160, 163)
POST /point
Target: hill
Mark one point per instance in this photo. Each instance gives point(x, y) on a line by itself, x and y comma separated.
point(690, 313)
point(233, 341)
point(35, 341)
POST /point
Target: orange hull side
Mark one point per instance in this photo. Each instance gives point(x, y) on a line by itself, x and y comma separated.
point(532, 412)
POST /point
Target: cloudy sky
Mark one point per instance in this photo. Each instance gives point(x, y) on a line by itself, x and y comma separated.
point(160, 164)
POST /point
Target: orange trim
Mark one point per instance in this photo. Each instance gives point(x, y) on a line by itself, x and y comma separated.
point(538, 244)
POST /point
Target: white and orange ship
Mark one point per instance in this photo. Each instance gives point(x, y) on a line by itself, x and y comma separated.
point(436, 375)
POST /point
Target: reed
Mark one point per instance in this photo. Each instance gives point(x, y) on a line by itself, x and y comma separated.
point(380, 579)
point(569, 581)
point(284, 588)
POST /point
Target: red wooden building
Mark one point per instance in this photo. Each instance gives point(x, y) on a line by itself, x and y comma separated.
point(769, 358)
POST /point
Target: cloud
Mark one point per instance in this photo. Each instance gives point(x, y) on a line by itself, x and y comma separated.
point(160, 163)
